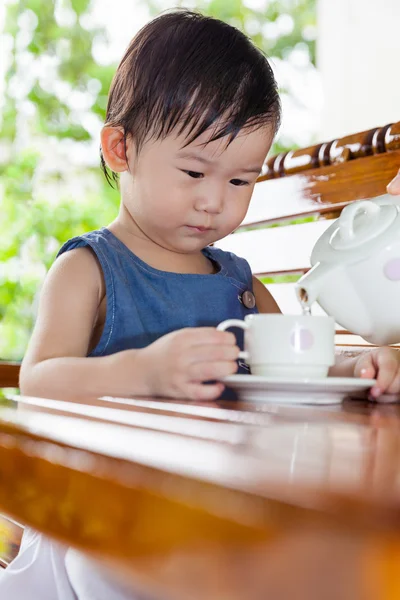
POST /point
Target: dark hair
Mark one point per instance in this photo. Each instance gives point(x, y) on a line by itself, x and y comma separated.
point(185, 70)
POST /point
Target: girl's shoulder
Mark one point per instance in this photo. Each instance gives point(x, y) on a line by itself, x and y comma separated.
point(92, 239)
point(71, 268)
point(100, 244)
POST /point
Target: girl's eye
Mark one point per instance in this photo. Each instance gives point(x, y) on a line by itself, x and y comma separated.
point(239, 182)
point(195, 174)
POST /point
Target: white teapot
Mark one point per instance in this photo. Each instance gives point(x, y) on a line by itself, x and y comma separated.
point(355, 275)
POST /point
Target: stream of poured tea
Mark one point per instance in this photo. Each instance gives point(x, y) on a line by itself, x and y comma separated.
point(305, 307)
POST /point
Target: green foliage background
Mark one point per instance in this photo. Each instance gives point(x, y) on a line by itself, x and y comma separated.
point(42, 207)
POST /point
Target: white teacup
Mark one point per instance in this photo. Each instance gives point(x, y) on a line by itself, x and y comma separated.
point(287, 346)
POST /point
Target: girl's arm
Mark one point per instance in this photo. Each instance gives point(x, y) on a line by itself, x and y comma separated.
point(264, 299)
point(55, 364)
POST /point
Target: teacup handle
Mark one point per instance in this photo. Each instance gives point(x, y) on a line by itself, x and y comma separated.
point(235, 323)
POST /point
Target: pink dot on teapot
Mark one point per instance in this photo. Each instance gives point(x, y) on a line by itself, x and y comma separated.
point(301, 340)
point(392, 269)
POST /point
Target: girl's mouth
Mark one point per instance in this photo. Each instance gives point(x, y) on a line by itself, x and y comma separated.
point(199, 229)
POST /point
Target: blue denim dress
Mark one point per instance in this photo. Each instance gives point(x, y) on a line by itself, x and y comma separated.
point(144, 303)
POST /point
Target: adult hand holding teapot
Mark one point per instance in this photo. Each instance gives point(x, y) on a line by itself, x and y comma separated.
point(394, 185)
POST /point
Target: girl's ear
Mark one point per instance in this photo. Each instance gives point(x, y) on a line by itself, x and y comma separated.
point(113, 148)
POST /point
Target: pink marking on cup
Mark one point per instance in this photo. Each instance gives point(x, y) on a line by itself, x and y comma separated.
point(301, 339)
point(392, 269)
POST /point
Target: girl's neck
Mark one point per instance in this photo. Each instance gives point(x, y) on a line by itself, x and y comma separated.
point(156, 255)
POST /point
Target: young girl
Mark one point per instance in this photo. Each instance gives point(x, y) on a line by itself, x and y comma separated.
point(131, 309)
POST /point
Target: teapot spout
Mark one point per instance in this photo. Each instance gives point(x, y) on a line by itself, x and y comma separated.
point(309, 286)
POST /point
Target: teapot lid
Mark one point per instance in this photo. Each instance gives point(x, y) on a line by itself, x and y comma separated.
point(361, 229)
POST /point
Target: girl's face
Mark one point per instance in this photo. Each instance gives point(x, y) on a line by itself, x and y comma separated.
point(184, 198)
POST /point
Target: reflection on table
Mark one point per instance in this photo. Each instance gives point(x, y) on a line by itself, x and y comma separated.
point(220, 500)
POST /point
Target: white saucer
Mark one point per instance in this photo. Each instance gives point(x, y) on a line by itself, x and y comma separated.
point(331, 390)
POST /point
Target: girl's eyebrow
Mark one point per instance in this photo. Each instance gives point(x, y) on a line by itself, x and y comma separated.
point(194, 156)
point(208, 161)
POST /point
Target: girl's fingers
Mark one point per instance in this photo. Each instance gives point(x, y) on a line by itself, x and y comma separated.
point(213, 353)
point(208, 371)
point(388, 366)
point(208, 335)
point(365, 367)
point(205, 392)
point(394, 387)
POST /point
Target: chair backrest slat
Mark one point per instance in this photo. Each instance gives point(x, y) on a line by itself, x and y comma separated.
point(325, 177)
point(276, 250)
point(321, 191)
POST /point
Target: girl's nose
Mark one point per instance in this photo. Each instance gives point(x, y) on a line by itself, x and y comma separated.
point(211, 200)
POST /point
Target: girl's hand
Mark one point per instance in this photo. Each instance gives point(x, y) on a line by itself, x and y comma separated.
point(382, 364)
point(394, 185)
point(177, 364)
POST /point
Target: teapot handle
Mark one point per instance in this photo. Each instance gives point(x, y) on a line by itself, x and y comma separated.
point(349, 213)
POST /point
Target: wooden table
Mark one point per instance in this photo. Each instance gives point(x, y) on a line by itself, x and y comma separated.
point(224, 501)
